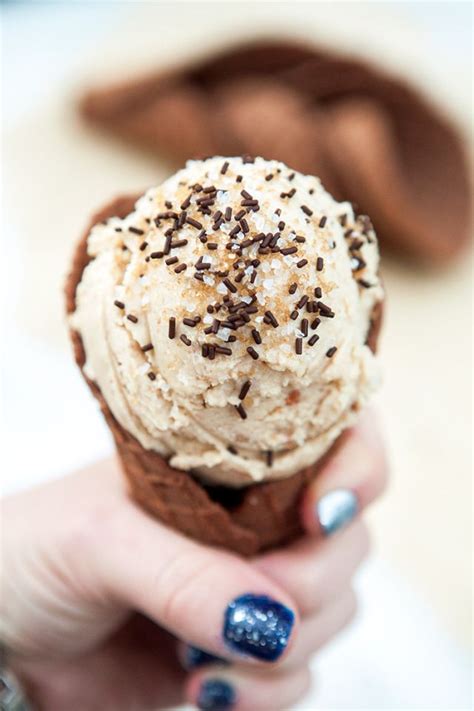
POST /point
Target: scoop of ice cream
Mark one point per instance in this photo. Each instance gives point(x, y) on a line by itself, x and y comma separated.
point(225, 319)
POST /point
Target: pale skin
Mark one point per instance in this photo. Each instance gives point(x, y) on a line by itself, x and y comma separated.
point(96, 593)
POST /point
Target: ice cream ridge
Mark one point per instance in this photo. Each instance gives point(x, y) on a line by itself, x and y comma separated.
point(225, 320)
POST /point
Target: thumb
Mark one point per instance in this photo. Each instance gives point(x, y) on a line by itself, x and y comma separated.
point(208, 597)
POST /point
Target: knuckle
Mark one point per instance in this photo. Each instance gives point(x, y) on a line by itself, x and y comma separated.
point(93, 524)
point(185, 582)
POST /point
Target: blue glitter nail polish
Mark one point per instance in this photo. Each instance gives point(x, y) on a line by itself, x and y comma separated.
point(258, 626)
point(216, 695)
point(193, 657)
point(336, 509)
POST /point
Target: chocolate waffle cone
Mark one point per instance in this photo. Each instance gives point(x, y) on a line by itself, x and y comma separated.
point(369, 136)
point(246, 521)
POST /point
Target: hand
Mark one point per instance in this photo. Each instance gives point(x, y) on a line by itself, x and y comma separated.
point(95, 593)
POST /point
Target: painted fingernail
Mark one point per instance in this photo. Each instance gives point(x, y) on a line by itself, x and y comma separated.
point(258, 626)
point(216, 695)
point(336, 509)
point(193, 657)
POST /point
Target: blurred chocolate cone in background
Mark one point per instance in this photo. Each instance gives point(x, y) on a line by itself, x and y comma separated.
point(369, 136)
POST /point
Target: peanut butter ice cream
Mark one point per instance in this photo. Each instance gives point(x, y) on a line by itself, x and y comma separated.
point(225, 319)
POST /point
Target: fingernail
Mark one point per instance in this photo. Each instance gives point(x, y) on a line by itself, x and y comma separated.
point(216, 695)
point(258, 626)
point(336, 509)
point(193, 657)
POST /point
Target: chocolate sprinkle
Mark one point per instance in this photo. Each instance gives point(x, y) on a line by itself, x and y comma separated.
point(223, 350)
point(313, 339)
point(232, 288)
point(241, 410)
point(186, 203)
point(306, 210)
point(270, 318)
point(252, 352)
point(298, 346)
point(167, 246)
point(244, 389)
point(132, 318)
point(119, 304)
point(172, 327)
point(194, 223)
point(179, 243)
point(148, 347)
point(319, 264)
point(325, 310)
point(185, 340)
point(331, 351)
point(323, 221)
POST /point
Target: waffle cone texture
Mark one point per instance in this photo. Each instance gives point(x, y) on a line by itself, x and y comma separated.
point(245, 521)
point(369, 136)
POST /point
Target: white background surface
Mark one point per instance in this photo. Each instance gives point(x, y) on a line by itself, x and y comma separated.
point(409, 647)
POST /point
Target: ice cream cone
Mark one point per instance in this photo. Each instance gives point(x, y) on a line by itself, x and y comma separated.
point(370, 136)
point(246, 520)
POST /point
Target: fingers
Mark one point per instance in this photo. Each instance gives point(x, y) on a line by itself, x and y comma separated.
point(243, 689)
point(312, 570)
point(135, 668)
point(351, 479)
point(214, 686)
point(316, 631)
point(212, 599)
